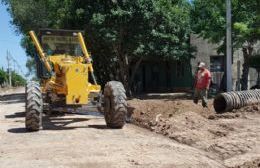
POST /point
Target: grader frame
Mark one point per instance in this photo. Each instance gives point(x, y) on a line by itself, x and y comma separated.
point(67, 81)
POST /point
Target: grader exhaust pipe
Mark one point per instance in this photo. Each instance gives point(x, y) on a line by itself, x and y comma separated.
point(228, 101)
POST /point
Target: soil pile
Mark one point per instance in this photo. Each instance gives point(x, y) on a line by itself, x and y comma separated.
point(232, 137)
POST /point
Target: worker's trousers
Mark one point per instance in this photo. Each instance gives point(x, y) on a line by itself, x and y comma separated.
point(201, 94)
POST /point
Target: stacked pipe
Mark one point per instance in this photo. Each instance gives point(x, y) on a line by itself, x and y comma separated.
point(228, 101)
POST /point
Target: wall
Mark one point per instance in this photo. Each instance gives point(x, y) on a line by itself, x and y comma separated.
point(206, 49)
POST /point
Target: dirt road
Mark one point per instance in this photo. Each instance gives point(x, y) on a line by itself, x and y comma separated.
point(83, 140)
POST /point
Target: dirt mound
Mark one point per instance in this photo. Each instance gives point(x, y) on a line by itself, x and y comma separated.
point(187, 128)
point(150, 109)
point(225, 136)
point(253, 108)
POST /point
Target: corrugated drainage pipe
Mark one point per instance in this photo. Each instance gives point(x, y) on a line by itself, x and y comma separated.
point(228, 101)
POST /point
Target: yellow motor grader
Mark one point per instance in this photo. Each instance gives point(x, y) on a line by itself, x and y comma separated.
point(64, 67)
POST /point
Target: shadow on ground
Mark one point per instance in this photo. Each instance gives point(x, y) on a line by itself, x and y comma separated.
point(16, 115)
point(17, 130)
point(166, 96)
point(57, 123)
point(12, 98)
point(98, 126)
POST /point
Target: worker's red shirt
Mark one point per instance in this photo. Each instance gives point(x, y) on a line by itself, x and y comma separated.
point(203, 78)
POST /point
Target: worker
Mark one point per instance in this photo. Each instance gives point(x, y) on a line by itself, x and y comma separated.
point(202, 84)
point(195, 76)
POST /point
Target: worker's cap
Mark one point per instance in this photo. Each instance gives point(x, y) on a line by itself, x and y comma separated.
point(202, 65)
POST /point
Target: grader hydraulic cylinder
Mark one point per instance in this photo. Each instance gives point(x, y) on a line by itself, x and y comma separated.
point(86, 55)
point(40, 51)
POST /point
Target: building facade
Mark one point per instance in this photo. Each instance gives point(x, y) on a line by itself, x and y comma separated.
point(171, 76)
point(207, 52)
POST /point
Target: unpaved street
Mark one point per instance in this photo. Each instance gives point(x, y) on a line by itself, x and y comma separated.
point(84, 141)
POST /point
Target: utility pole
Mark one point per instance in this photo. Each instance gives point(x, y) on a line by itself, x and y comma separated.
point(13, 64)
point(228, 47)
point(238, 76)
point(9, 68)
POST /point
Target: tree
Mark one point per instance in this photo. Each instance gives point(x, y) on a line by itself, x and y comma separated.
point(119, 33)
point(208, 20)
point(3, 76)
point(17, 80)
point(134, 30)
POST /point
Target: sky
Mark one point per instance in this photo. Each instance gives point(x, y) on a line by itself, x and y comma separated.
point(10, 40)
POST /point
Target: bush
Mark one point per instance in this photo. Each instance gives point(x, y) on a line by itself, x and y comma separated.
point(3, 76)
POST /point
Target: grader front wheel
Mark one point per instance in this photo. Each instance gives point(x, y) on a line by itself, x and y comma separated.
point(33, 107)
point(115, 104)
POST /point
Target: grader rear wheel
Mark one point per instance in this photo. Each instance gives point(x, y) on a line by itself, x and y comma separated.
point(115, 104)
point(34, 107)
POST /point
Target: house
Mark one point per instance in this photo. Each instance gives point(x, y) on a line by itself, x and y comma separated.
point(207, 52)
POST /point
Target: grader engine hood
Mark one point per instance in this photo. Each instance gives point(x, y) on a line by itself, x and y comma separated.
point(72, 79)
point(66, 58)
point(76, 83)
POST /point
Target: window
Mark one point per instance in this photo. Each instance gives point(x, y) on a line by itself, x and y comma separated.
point(217, 63)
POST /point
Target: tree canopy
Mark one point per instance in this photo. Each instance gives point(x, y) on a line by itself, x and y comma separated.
point(17, 80)
point(3, 76)
point(119, 33)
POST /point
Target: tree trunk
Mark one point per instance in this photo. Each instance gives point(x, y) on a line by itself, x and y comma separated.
point(124, 69)
point(124, 65)
point(137, 64)
point(247, 53)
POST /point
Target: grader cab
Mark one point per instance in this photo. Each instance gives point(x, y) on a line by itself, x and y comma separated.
point(64, 67)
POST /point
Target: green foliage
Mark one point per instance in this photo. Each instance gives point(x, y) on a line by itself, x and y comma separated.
point(3, 76)
point(209, 21)
point(118, 32)
point(17, 80)
point(144, 28)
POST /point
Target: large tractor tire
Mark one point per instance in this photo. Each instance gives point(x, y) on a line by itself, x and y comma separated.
point(33, 107)
point(115, 105)
point(32, 85)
